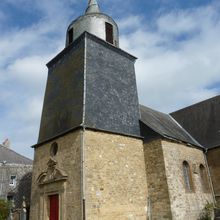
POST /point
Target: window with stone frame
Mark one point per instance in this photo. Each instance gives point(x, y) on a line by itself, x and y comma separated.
point(204, 178)
point(187, 177)
point(12, 181)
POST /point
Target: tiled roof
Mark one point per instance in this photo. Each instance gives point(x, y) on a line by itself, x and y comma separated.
point(165, 125)
point(202, 121)
point(11, 157)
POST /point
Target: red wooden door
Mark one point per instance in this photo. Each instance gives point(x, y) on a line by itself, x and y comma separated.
point(54, 207)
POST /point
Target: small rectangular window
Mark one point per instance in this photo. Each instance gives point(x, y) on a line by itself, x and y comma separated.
point(70, 34)
point(12, 181)
point(10, 198)
point(109, 32)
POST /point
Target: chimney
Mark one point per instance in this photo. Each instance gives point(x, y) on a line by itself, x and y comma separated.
point(6, 143)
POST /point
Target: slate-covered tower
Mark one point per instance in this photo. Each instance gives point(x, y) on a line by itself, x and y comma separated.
point(89, 161)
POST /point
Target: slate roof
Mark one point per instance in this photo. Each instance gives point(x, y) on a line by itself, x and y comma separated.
point(165, 126)
point(110, 101)
point(11, 157)
point(202, 121)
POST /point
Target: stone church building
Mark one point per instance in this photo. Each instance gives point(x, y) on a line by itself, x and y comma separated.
point(102, 156)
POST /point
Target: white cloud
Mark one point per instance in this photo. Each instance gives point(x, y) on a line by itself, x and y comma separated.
point(177, 22)
point(178, 61)
point(130, 23)
point(24, 54)
point(28, 115)
point(174, 72)
point(29, 70)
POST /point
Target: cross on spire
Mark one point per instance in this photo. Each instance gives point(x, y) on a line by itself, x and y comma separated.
point(93, 7)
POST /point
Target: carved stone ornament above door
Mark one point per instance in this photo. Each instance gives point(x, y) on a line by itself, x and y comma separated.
point(52, 174)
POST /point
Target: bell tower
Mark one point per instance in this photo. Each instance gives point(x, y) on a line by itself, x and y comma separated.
point(89, 161)
point(96, 23)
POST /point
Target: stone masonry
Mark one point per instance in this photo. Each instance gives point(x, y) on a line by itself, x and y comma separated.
point(159, 202)
point(69, 160)
point(115, 179)
point(20, 171)
point(112, 179)
point(185, 205)
point(167, 193)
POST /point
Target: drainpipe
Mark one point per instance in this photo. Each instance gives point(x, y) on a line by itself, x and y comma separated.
point(83, 138)
point(209, 175)
point(149, 208)
point(2, 179)
point(83, 174)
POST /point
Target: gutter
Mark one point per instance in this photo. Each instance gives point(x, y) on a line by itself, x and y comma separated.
point(83, 174)
point(83, 199)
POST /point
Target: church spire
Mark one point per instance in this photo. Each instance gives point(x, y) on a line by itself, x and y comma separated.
point(93, 7)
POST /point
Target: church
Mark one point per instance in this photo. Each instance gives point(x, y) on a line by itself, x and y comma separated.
point(103, 156)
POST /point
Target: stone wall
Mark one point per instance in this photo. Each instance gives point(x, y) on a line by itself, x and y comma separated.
point(213, 156)
point(115, 179)
point(112, 180)
point(168, 196)
point(112, 174)
point(21, 188)
point(68, 160)
point(159, 201)
point(184, 205)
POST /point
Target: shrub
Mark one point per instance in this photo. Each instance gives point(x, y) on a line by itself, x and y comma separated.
point(4, 210)
point(217, 212)
point(207, 212)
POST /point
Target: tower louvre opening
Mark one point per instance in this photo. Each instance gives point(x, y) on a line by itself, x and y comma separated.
point(70, 35)
point(109, 32)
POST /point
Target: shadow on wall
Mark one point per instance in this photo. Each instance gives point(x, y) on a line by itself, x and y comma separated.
point(23, 194)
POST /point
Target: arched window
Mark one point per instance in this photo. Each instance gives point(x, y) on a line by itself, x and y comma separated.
point(187, 177)
point(204, 178)
point(53, 149)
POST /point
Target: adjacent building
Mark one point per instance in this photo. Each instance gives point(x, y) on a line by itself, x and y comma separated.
point(15, 178)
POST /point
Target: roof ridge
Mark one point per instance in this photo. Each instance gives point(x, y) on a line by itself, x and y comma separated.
point(186, 131)
point(153, 109)
point(165, 125)
point(197, 103)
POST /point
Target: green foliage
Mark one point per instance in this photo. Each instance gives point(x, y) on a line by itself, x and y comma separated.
point(207, 212)
point(4, 210)
point(217, 211)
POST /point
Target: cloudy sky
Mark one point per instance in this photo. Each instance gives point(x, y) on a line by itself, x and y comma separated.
point(176, 42)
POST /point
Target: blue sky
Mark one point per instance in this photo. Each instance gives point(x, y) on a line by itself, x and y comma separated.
point(176, 42)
